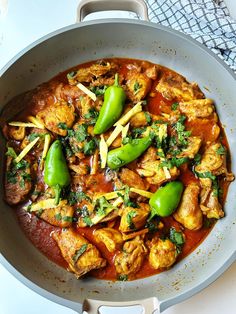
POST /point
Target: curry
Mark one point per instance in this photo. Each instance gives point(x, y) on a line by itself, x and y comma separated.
point(117, 168)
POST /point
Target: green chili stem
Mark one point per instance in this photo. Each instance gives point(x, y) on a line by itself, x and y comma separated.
point(57, 190)
point(116, 83)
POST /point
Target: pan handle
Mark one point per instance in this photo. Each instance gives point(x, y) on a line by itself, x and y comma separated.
point(149, 305)
point(86, 7)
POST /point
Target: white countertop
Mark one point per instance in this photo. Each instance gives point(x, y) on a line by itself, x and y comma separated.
point(24, 22)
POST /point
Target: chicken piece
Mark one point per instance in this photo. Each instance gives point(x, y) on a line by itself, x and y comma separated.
point(194, 144)
point(81, 169)
point(60, 216)
point(149, 155)
point(38, 148)
point(16, 133)
point(163, 254)
point(85, 104)
point(130, 260)
point(152, 72)
point(138, 120)
point(212, 161)
point(67, 93)
point(189, 213)
point(87, 75)
point(211, 207)
point(134, 218)
point(111, 238)
point(138, 85)
point(80, 255)
point(197, 108)
point(17, 181)
point(53, 116)
point(174, 86)
point(131, 178)
point(155, 174)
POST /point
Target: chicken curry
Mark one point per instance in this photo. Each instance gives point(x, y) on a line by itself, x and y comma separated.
point(117, 168)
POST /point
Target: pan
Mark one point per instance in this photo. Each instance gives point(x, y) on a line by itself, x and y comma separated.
point(107, 38)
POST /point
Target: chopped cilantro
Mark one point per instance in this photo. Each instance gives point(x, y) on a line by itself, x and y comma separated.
point(67, 218)
point(217, 191)
point(205, 175)
point(174, 106)
point(129, 218)
point(177, 238)
point(90, 146)
point(81, 132)
point(23, 164)
point(173, 162)
point(71, 75)
point(32, 136)
point(92, 115)
point(58, 216)
point(136, 132)
point(62, 125)
point(221, 150)
point(102, 205)
point(79, 252)
point(122, 277)
point(98, 90)
point(148, 117)
point(87, 220)
point(152, 226)
point(39, 212)
point(197, 159)
point(11, 152)
point(77, 197)
point(137, 87)
point(208, 222)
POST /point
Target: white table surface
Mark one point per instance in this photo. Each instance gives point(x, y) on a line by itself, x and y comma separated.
point(24, 22)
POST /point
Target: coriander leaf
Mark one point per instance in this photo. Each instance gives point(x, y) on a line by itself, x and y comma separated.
point(205, 175)
point(23, 164)
point(11, 177)
point(77, 197)
point(197, 159)
point(71, 75)
point(208, 222)
point(174, 106)
point(22, 183)
point(122, 277)
point(98, 90)
point(148, 117)
point(177, 238)
point(221, 150)
point(129, 218)
point(67, 218)
point(87, 220)
point(79, 252)
point(102, 205)
point(11, 152)
point(58, 216)
point(32, 136)
point(92, 115)
point(136, 132)
point(152, 226)
point(62, 125)
point(137, 87)
point(81, 132)
point(90, 146)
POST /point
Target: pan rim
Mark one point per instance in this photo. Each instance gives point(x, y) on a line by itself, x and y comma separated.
point(54, 297)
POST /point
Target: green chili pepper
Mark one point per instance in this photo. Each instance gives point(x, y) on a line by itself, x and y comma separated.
point(166, 199)
point(56, 173)
point(114, 99)
point(123, 155)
